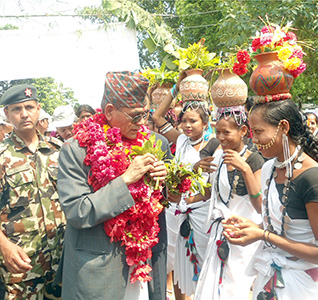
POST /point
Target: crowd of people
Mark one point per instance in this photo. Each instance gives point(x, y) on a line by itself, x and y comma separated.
point(79, 218)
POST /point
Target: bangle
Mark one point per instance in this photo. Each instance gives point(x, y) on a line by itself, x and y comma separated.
point(164, 124)
point(269, 241)
point(174, 91)
point(265, 239)
point(166, 129)
point(256, 195)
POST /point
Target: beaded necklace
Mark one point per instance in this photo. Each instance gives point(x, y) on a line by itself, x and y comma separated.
point(233, 183)
point(281, 165)
point(193, 143)
point(284, 201)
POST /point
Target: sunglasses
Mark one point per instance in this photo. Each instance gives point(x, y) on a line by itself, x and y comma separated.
point(137, 118)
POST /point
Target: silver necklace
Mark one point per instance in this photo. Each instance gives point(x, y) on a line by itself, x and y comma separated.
point(284, 201)
point(282, 165)
point(193, 143)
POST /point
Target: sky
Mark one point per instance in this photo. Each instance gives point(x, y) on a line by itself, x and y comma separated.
point(71, 50)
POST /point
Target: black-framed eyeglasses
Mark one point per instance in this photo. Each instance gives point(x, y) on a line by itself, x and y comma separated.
point(137, 118)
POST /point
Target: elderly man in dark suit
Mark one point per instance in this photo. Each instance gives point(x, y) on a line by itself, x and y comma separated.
point(94, 266)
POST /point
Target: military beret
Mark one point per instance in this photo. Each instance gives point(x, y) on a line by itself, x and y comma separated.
point(18, 93)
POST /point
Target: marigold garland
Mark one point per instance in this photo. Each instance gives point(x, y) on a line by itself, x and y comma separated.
point(108, 157)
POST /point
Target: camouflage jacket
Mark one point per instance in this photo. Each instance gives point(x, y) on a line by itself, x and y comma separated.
point(31, 215)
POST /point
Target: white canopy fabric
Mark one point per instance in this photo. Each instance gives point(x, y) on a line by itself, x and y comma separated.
point(69, 49)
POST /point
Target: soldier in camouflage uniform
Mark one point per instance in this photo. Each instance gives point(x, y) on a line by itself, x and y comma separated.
point(31, 220)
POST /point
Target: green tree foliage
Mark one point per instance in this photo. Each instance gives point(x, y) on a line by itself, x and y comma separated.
point(8, 27)
point(224, 24)
point(151, 19)
point(199, 19)
point(50, 93)
point(233, 23)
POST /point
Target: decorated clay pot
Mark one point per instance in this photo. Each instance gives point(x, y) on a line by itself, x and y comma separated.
point(229, 89)
point(270, 77)
point(194, 87)
point(159, 93)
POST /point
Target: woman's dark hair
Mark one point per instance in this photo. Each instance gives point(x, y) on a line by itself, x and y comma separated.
point(249, 103)
point(196, 106)
point(275, 111)
point(85, 107)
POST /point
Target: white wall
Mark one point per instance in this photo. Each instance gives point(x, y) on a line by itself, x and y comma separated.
point(70, 50)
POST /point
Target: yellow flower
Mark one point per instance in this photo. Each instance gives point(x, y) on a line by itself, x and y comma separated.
point(292, 64)
point(284, 53)
point(106, 127)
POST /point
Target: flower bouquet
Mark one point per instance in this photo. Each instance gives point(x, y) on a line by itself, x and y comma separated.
point(153, 147)
point(181, 179)
point(273, 37)
point(280, 60)
point(235, 62)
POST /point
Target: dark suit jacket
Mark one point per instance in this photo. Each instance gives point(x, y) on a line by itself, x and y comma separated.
point(93, 267)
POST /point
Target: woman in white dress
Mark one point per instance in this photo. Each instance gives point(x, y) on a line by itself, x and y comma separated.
point(235, 189)
point(185, 253)
point(286, 263)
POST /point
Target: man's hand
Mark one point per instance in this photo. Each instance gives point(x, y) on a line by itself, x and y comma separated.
point(143, 164)
point(16, 260)
point(158, 171)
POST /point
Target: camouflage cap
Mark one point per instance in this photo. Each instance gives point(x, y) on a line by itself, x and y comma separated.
point(19, 93)
point(126, 89)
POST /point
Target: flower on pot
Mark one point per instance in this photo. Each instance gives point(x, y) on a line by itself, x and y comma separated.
point(196, 56)
point(273, 37)
point(235, 62)
point(160, 76)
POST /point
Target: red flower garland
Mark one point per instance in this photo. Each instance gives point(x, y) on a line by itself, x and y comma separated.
point(108, 156)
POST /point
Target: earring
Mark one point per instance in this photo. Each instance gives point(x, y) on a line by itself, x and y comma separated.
point(286, 152)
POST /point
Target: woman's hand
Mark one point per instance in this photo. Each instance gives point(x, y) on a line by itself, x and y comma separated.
point(206, 165)
point(233, 158)
point(174, 198)
point(150, 91)
point(241, 231)
point(181, 77)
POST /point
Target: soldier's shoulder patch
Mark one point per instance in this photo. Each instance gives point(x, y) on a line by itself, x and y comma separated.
point(55, 142)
